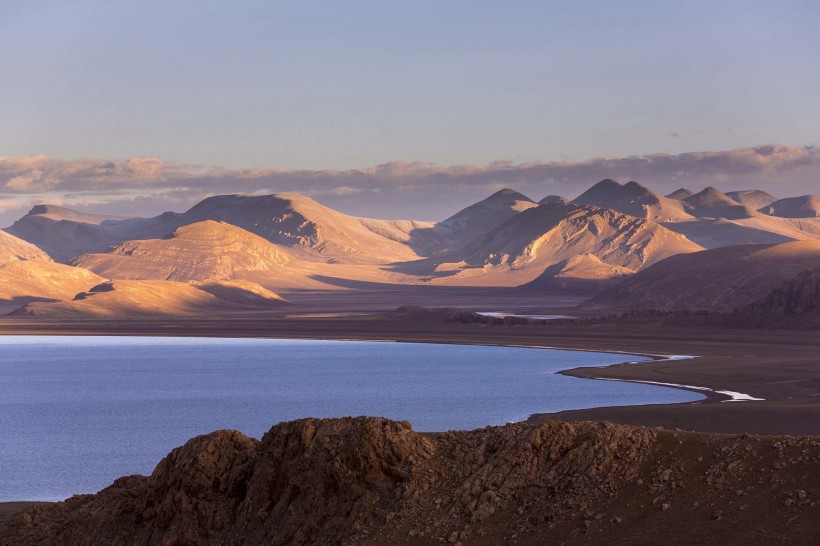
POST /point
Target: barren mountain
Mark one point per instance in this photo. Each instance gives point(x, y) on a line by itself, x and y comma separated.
point(195, 252)
point(135, 298)
point(65, 233)
point(22, 282)
point(13, 248)
point(717, 279)
point(311, 230)
point(634, 199)
point(680, 193)
point(519, 250)
point(553, 199)
point(711, 203)
point(471, 223)
point(754, 199)
point(806, 206)
point(372, 481)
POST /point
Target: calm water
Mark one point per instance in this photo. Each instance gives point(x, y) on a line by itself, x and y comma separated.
point(77, 412)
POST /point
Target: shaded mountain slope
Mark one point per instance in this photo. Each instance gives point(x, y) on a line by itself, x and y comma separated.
point(373, 481)
point(717, 279)
point(793, 303)
point(584, 273)
point(65, 233)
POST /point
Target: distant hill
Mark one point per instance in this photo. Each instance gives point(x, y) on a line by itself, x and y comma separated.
point(473, 222)
point(805, 206)
point(680, 193)
point(754, 199)
point(634, 199)
point(553, 199)
point(717, 279)
point(712, 203)
point(520, 249)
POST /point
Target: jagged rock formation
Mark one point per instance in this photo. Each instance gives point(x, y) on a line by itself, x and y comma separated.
point(717, 279)
point(374, 481)
point(13, 248)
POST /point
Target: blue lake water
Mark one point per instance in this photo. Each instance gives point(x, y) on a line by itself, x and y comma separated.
point(77, 412)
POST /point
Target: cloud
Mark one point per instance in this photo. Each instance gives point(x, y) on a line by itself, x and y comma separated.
point(148, 185)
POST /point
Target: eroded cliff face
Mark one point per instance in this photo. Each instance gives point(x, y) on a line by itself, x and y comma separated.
point(370, 480)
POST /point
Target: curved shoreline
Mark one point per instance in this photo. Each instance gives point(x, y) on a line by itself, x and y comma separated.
point(778, 365)
point(708, 393)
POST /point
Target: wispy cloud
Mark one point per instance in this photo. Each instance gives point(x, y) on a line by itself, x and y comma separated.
point(147, 185)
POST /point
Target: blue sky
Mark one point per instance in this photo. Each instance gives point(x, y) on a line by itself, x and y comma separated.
point(353, 84)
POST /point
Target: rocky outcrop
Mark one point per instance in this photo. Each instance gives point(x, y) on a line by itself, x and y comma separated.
point(334, 481)
point(374, 481)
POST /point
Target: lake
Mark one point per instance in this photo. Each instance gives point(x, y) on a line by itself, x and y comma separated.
point(77, 412)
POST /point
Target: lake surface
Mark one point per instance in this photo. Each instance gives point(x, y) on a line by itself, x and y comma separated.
point(77, 412)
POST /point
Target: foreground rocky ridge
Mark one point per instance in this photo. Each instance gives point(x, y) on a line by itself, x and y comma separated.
point(374, 481)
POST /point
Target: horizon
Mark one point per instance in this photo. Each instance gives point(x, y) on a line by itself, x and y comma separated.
point(149, 186)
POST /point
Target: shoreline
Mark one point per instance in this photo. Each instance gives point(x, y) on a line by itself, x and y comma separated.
point(779, 366)
point(708, 393)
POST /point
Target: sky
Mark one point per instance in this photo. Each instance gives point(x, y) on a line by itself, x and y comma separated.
point(372, 105)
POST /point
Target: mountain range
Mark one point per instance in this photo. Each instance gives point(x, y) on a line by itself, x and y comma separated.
point(640, 247)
